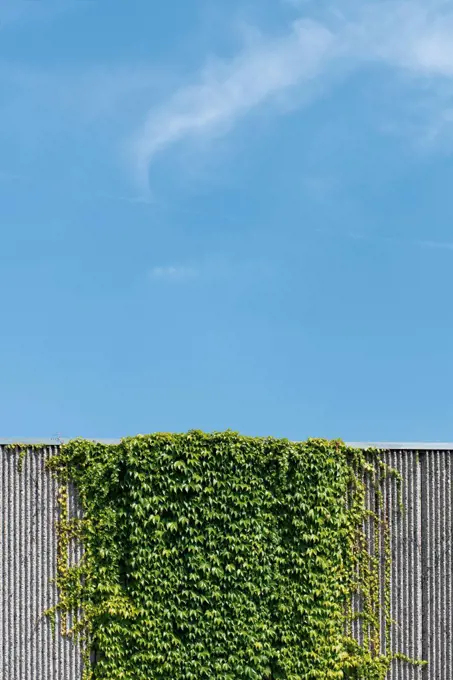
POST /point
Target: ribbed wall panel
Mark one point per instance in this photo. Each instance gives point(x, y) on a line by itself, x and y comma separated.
point(406, 551)
point(28, 553)
point(421, 573)
point(436, 533)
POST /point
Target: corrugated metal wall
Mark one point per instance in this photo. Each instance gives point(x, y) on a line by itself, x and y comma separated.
point(421, 577)
point(28, 511)
point(406, 583)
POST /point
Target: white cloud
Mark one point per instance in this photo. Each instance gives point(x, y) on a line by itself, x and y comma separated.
point(173, 273)
point(392, 242)
point(412, 37)
point(51, 109)
point(439, 245)
point(228, 90)
point(213, 268)
point(328, 40)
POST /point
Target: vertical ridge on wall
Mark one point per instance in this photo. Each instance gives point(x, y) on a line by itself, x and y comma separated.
point(28, 512)
point(437, 532)
point(406, 568)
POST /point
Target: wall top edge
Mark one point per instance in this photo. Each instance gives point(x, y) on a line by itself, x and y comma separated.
point(393, 446)
point(404, 446)
point(53, 441)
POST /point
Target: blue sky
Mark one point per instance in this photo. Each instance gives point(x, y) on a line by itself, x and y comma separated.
point(227, 215)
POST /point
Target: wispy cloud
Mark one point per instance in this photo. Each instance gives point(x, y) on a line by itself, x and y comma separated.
point(211, 269)
point(436, 245)
point(412, 37)
point(391, 241)
point(93, 107)
point(174, 273)
point(326, 41)
point(227, 90)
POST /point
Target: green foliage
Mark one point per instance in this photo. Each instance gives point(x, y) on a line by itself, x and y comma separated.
point(21, 449)
point(222, 556)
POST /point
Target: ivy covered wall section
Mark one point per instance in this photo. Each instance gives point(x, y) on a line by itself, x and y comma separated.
point(222, 556)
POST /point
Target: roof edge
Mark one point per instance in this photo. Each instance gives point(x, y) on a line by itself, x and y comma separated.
point(393, 446)
point(404, 446)
point(53, 441)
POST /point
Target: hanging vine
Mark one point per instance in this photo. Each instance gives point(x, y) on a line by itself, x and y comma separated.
point(224, 556)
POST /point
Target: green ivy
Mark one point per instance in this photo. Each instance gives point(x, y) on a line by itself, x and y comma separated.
point(21, 450)
point(223, 556)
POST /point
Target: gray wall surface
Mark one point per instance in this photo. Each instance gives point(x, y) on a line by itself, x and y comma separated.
point(28, 542)
point(421, 577)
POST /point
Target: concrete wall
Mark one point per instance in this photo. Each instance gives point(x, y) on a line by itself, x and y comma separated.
point(421, 584)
